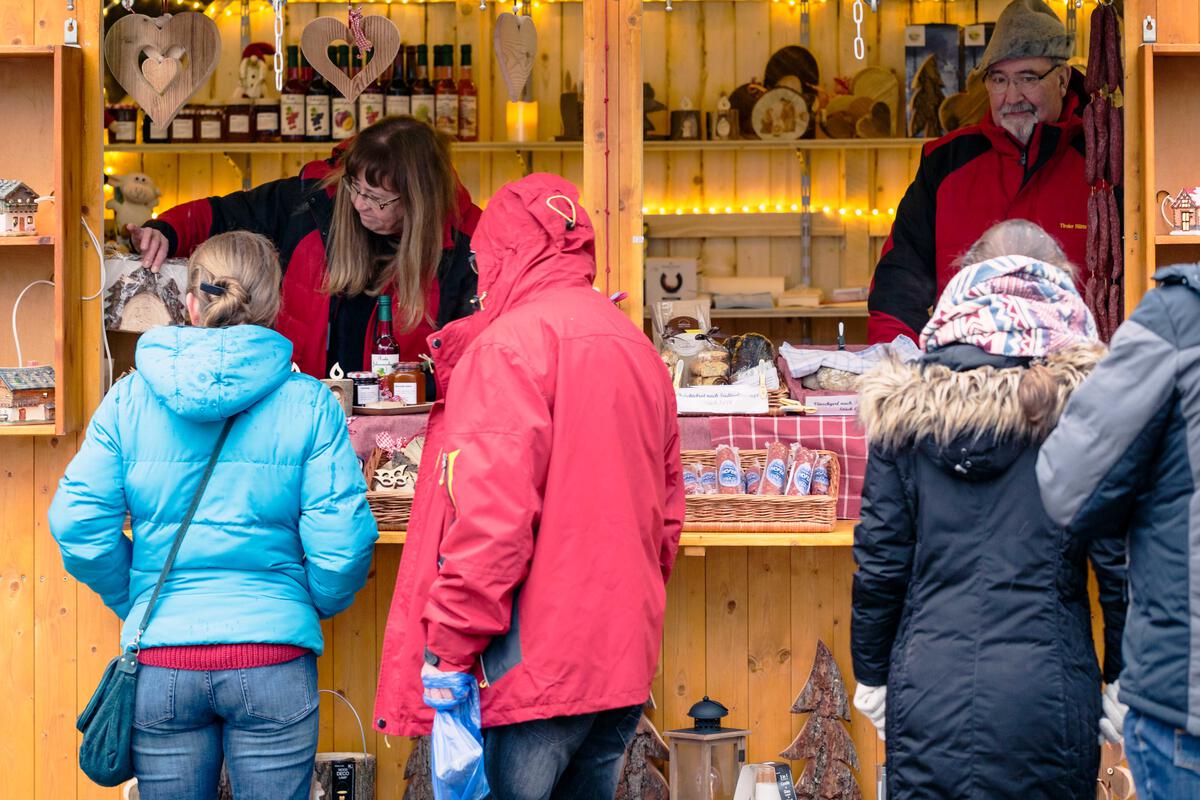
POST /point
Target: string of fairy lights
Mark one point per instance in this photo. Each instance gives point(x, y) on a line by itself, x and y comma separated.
point(765, 208)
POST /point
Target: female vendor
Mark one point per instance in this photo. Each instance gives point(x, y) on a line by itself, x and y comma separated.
point(385, 217)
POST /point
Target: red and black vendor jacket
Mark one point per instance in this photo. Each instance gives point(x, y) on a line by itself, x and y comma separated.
point(295, 214)
point(967, 181)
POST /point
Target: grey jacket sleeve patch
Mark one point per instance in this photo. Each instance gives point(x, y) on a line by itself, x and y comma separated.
point(1104, 417)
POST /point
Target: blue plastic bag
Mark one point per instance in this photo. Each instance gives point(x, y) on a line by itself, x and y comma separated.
point(457, 741)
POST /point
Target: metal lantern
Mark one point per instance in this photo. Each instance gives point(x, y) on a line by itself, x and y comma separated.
point(706, 758)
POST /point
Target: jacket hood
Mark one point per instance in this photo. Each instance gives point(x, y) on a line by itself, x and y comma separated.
point(963, 412)
point(208, 374)
point(1181, 274)
point(525, 244)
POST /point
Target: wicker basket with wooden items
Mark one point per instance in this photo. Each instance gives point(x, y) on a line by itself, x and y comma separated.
point(391, 475)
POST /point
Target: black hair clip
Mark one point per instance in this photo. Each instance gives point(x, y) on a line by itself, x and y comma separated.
point(208, 287)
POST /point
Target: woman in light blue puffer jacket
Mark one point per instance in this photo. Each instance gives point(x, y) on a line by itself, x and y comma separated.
point(282, 538)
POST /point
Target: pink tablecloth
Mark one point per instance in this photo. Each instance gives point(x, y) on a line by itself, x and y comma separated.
point(842, 435)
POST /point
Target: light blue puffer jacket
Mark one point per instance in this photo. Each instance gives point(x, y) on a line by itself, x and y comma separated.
point(283, 535)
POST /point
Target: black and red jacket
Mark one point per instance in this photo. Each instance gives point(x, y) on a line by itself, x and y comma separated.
point(968, 181)
point(295, 214)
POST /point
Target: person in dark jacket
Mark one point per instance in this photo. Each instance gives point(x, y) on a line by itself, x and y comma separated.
point(1025, 160)
point(384, 216)
point(1122, 466)
point(971, 632)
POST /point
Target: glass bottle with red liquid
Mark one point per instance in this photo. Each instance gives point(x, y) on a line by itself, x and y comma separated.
point(385, 354)
point(468, 113)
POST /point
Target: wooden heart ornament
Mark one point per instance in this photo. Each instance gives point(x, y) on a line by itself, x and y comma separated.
point(164, 82)
point(324, 31)
point(515, 41)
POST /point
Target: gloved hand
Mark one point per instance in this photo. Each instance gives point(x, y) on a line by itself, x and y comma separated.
point(871, 701)
point(1112, 723)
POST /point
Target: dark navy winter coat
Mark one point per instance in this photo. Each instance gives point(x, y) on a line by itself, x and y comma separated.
point(970, 603)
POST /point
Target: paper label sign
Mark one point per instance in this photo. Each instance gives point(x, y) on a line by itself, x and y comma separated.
point(721, 400)
point(833, 405)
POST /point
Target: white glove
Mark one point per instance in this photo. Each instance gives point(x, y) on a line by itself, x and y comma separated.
point(1112, 723)
point(871, 702)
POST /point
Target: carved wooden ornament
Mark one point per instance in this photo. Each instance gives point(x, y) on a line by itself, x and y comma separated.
point(165, 80)
point(516, 44)
point(319, 34)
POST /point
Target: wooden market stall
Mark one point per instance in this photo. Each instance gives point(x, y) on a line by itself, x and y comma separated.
point(745, 611)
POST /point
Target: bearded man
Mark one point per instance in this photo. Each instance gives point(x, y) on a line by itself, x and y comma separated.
point(1024, 161)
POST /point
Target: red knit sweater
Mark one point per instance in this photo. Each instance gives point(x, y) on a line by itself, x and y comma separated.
point(220, 656)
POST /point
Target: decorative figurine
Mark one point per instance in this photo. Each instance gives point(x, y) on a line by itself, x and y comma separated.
point(133, 202)
point(27, 394)
point(1185, 208)
point(18, 205)
point(252, 72)
point(649, 105)
point(685, 123)
point(723, 123)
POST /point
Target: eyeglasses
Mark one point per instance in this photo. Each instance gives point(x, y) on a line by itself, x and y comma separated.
point(997, 82)
point(375, 201)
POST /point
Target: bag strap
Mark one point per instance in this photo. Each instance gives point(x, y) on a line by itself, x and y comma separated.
point(183, 529)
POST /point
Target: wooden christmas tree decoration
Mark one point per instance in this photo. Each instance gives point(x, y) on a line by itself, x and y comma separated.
point(418, 775)
point(823, 742)
point(641, 779)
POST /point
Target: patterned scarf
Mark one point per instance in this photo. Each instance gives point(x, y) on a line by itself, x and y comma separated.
point(1011, 306)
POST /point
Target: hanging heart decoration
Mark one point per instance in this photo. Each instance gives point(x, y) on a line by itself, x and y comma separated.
point(319, 34)
point(515, 41)
point(166, 79)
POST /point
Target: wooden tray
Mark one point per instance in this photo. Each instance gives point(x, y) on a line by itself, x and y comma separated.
point(748, 513)
point(391, 410)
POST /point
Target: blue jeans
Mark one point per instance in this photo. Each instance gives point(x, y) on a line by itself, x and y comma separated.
point(1165, 761)
point(562, 757)
point(261, 722)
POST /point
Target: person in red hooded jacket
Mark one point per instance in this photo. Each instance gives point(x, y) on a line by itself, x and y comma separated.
point(385, 215)
point(548, 512)
point(1024, 161)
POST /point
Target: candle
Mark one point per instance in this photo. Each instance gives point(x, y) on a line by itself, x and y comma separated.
point(521, 121)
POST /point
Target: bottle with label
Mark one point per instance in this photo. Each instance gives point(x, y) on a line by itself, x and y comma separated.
point(398, 100)
point(291, 99)
point(345, 112)
point(468, 100)
point(385, 354)
point(445, 92)
point(316, 108)
point(422, 90)
point(370, 102)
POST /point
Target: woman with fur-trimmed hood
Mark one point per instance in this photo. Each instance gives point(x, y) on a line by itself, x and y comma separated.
point(971, 630)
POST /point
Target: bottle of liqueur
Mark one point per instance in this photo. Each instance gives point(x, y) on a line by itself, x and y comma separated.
point(422, 90)
point(291, 99)
point(370, 102)
point(345, 112)
point(316, 107)
point(468, 100)
point(385, 354)
point(445, 91)
point(398, 100)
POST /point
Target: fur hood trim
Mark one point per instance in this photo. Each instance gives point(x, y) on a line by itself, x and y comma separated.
point(901, 403)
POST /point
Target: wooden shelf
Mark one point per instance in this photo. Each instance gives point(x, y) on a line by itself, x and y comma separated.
point(1166, 238)
point(832, 310)
point(743, 145)
point(1167, 49)
point(842, 535)
point(277, 148)
point(26, 241)
point(764, 223)
point(27, 51)
point(27, 429)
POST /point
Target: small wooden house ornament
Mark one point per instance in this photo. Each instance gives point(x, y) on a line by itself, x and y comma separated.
point(1185, 209)
point(27, 394)
point(18, 206)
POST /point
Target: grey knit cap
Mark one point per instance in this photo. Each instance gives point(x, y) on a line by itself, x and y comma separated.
point(1027, 29)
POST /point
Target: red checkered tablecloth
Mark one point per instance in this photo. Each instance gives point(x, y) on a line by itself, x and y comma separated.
point(363, 430)
point(841, 435)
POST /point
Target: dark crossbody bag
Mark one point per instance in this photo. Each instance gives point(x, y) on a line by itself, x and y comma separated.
point(106, 752)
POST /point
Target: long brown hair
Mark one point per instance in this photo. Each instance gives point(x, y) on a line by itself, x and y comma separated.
point(410, 157)
point(246, 266)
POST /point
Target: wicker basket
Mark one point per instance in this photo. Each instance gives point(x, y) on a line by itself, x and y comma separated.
point(391, 509)
point(748, 513)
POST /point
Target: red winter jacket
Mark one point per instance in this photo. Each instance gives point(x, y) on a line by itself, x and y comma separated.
point(968, 181)
point(295, 214)
point(550, 501)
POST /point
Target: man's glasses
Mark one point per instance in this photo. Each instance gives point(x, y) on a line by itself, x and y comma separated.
point(375, 201)
point(998, 82)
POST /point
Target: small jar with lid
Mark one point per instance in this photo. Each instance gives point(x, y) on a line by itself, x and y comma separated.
point(266, 121)
point(183, 127)
point(239, 123)
point(408, 383)
point(366, 387)
point(123, 128)
point(210, 126)
point(149, 134)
